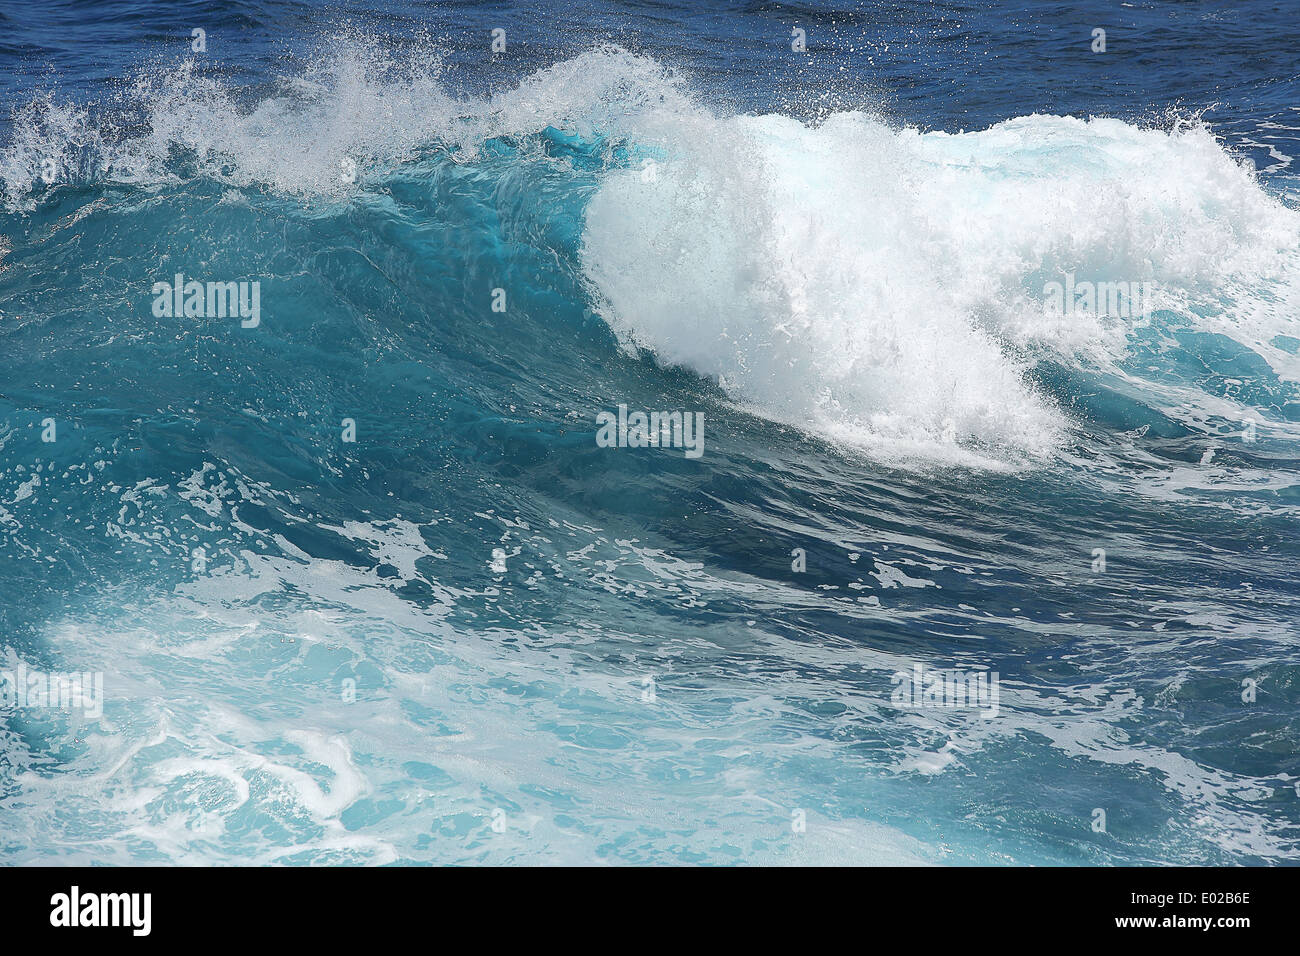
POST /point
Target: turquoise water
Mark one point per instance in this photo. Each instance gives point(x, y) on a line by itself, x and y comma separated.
point(473, 634)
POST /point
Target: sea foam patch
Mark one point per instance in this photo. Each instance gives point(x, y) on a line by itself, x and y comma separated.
point(894, 288)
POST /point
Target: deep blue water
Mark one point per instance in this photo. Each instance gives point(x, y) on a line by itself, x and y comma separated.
point(473, 634)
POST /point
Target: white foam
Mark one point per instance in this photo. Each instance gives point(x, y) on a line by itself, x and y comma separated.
point(885, 286)
point(354, 107)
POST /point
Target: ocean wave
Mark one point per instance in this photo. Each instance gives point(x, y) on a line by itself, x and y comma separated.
point(879, 285)
point(853, 305)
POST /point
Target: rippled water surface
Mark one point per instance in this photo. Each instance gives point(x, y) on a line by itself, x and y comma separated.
point(473, 634)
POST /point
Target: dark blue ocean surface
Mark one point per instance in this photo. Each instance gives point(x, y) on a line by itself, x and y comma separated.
point(990, 323)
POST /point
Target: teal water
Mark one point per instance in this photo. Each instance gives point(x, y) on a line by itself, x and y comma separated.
point(474, 635)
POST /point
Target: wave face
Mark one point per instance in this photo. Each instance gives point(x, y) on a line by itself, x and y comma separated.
point(474, 635)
